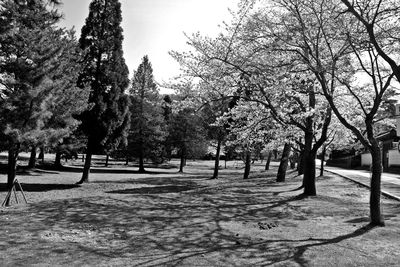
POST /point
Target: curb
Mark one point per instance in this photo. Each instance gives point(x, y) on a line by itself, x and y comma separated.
point(384, 193)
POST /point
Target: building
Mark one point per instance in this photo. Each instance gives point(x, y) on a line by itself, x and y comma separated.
point(389, 143)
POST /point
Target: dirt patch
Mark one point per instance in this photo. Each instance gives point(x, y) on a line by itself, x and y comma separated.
point(188, 220)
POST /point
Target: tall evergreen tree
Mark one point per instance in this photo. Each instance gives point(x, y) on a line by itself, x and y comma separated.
point(147, 121)
point(66, 100)
point(104, 71)
point(29, 56)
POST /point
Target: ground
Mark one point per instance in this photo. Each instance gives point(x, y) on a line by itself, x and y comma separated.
point(171, 219)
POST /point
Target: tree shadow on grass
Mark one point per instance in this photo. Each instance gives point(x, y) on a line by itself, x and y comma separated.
point(149, 228)
point(300, 250)
point(153, 190)
point(30, 187)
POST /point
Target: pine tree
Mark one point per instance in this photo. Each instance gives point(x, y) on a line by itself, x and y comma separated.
point(28, 56)
point(105, 73)
point(147, 121)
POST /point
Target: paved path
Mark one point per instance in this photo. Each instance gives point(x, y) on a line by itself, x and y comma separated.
point(390, 182)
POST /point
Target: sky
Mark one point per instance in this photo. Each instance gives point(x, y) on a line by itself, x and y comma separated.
point(154, 27)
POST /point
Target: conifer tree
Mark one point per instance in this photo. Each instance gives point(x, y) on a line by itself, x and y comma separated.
point(28, 54)
point(147, 122)
point(105, 73)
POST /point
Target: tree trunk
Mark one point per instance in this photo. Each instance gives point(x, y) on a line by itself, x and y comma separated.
point(247, 165)
point(86, 169)
point(182, 163)
point(32, 158)
point(107, 159)
point(141, 159)
point(375, 194)
point(292, 161)
point(300, 163)
point(41, 154)
point(11, 168)
point(126, 160)
point(309, 175)
point(309, 165)
point(321, 170)
point(183, 160)
point(268, 160)
point(57, 161)
point(283, 164)
point(141, 164)
point(217, 154)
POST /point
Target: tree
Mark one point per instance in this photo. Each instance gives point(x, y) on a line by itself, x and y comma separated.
point(186, 135)
point(67, 100)
point(245, 60)
point(284, 163)
point(379, 19)
point(211, 111)
point(30, 49)
point(147, 132)
point(333, 45)
point(105, 74)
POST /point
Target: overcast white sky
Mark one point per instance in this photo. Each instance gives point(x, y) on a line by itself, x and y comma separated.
point(154, 27)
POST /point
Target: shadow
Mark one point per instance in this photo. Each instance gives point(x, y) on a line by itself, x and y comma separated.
point(160, 181)
point(153, 190)
point(107, 170)
point(29, 187)
point(300, 250)
point(213, 225)
point(286, 191)
point(358, 220)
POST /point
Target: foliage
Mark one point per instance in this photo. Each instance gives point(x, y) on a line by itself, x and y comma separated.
point(39, 68)
point(105, 73)
point(148, 132)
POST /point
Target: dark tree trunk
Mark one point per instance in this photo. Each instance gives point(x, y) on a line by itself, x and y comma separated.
point(86, 169)
point(107, 159)
point(309, 165)
point(41, 154)
point(217, 154)
point(141, 165)
point(32, 158)
point(247, 165)
point(321, 170)
point(309, 175)
point(182, 163)
point(126, 160)
point(141, 160)
point(375, 194)
point(11, 169)
point(57, 161)
point(83, 157)
point(300, 163)
point(292, 162)
point(183, 160)
point(268, 160)
point(283, 164)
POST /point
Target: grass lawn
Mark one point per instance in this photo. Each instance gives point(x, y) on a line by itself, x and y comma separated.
point(171, 219)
